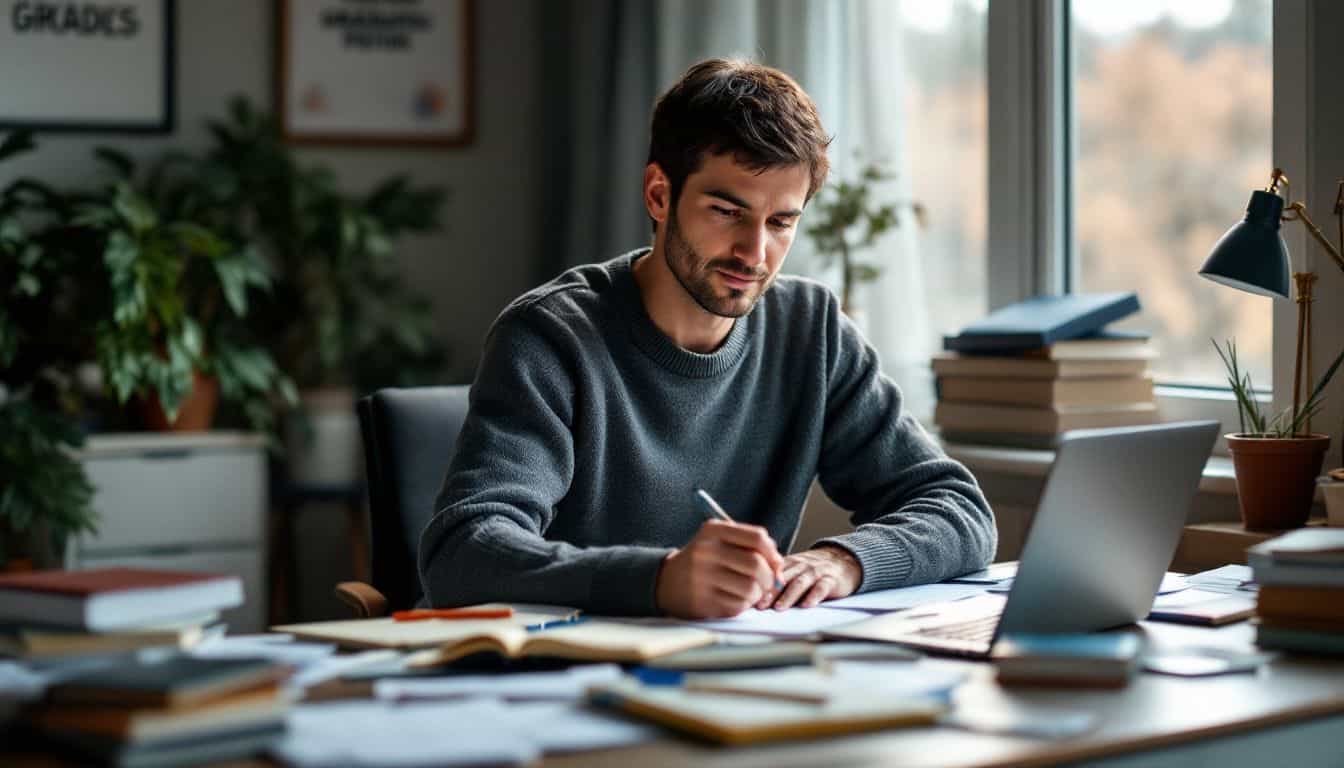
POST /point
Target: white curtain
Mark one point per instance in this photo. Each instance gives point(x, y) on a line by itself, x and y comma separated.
point(848, 57)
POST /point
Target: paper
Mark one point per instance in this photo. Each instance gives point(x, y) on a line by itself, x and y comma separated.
point(906, 597)
point(1187, 598)
point(374, 733)
point(874, 680)
point(1171, 582)
point(1229, 579)
point(20, 683)
point(331, 667)
point(566, 684)
point(566, 727)
point(793, 622)
point(991, 575)
point(281, 651)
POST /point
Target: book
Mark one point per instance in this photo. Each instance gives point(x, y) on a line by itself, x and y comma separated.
point(1005, 439)
point(1046, 393)
point(1034, 368)
point(1218, 609)
point(405, 635)
point(215, 748)
point(1103, 346)
point(1329, 643)
point(1297, 575)
point(262, 706)
point(578, 641)
point(1041, 321)
point(727, 718)
point(1305, 546)
point(1301, 602)
point(1324, 626)
point(1074, 660)
point(1041, 421)
point(179, 681)
point(105, 599)
point(29, 643)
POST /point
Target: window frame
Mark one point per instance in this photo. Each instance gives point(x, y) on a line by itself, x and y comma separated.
point(1031, 246)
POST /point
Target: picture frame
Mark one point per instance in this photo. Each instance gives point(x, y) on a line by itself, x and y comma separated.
point(50, 49)
point(376, 72)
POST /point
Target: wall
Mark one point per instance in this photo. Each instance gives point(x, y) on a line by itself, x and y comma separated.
point(488, 250)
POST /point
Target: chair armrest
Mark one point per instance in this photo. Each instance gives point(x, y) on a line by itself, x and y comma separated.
point(368, 602)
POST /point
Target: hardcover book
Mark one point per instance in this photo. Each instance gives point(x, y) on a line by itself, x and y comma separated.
point(1041, 321)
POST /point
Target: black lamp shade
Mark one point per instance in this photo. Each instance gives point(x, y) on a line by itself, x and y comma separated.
point(1251, 255)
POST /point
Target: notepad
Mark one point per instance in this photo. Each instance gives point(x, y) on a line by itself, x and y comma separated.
point(728, 718)
point(584, 641)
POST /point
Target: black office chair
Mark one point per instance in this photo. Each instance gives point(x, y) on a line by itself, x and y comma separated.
point(409, 438)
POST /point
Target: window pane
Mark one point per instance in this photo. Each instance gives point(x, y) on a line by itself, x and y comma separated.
point(1172, 104)
point(947, 139)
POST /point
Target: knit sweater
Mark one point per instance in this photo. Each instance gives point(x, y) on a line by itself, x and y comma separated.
point(589, 431)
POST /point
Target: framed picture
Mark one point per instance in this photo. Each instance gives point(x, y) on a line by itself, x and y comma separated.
point(104, 67)
point(388, 72)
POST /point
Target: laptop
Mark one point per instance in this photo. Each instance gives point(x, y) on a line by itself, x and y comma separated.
point(1110, 518)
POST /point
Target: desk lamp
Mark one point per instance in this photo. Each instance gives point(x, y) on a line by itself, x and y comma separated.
point(1251, 256)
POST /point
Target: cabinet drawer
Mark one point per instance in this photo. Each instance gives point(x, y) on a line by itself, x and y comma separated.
point(169, 498)
point(244, 563)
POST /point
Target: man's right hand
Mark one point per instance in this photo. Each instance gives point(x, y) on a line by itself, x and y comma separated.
point(723, 571)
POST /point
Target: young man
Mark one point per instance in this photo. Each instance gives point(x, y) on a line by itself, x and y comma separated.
point(607, 396)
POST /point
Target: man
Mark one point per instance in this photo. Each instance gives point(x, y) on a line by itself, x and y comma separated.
point(607, 396)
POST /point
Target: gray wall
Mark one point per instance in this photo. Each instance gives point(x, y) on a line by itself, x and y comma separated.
point(488, 251)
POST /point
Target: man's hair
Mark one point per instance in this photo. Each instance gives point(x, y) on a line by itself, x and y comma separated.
point(758, 114)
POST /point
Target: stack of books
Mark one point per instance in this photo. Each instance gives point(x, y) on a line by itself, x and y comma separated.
point(175, 711)
point(1107, 660)
point(1300, 606)
point(48, 614)
point(1029, 372)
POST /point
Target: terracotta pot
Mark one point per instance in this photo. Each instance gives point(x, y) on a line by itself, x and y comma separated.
point(197, 411)
point(1276, 478)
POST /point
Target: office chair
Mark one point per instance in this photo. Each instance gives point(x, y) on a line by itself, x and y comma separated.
point(409, 438)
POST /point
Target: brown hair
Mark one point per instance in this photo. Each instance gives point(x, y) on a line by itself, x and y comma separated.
point(757, 113)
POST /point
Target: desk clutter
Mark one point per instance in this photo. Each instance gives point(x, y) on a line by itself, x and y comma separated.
point(1028, 372)
point(1301, 601)
point(456, 689)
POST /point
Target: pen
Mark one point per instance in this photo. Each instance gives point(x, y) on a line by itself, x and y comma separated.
point(712, 509)
point(452, 613)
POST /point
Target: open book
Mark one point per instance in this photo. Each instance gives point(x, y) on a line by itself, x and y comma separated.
point(581, 641)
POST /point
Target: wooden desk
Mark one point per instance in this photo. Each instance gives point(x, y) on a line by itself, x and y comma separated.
point(1154, 712)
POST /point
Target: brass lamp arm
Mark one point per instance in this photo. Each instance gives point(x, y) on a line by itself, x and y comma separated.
point(1298, 212)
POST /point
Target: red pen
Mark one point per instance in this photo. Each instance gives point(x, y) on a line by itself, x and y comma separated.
point(452, 613)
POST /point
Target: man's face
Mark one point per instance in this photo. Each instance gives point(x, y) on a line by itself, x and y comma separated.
point(729, 232)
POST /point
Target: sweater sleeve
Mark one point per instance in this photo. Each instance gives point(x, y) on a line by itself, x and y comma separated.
point(513, 464)
point(919, 516)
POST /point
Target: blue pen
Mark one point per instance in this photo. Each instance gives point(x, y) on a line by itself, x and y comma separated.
point(712, 509)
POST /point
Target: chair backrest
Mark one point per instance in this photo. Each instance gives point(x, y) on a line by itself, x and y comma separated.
point(410, 435)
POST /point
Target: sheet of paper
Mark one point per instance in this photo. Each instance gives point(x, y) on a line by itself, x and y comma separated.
point(794, 622)
point(282, 651)
point(570, 727)
point(1187, 598)
point(1229, 579)
point(565, 684)
point(332, 667)
point(991, 575)
point(906, 597)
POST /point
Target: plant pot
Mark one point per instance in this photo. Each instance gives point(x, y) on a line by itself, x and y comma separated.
point(196, 413)
point(322, 441)
point(1276, 478)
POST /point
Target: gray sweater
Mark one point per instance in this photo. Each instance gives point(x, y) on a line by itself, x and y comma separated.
point(589, 431)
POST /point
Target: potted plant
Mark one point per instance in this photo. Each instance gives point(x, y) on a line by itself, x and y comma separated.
point(1276, 464)
point(846, 219)
point(45, 497)
point(340, 320)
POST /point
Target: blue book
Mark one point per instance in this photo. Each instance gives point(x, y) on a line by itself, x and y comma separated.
point(1041, 321)
point(1091, 647)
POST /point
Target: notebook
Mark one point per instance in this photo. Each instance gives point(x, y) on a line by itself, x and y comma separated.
point(105, 599)
point(579, 641)
point(426, 633)
point(728, 718)
point(257, 708)
point(180, 681)
point(1081, 660)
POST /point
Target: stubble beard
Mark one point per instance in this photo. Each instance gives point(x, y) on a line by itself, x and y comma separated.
point(696, 277)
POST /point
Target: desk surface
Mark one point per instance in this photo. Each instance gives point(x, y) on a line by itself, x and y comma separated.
point(1154, 711)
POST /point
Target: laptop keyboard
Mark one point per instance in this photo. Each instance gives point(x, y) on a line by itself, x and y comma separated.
point(977, 630)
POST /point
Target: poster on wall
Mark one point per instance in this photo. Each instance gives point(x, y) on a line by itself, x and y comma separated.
point(75, 66)
point(376, 71)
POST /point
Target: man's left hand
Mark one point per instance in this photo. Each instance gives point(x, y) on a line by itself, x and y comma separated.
point(823, 573)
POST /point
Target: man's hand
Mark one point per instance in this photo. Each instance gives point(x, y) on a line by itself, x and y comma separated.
point(724, 570)
point(814, 575)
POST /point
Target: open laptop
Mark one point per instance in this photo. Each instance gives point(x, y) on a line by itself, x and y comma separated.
point(1107, 526)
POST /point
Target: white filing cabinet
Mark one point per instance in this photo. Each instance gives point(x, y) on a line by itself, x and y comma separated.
point(191, 501)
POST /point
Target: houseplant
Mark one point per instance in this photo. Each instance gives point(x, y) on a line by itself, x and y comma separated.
point(845, 219)
point(1276, 464)
point(44, 496)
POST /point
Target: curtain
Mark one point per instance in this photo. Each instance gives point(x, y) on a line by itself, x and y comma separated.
point(846, 55)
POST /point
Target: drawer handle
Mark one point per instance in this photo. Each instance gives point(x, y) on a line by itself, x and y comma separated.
point(166, 454)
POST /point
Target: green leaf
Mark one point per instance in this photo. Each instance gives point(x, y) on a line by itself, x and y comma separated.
point(120, 162)
point(134, 210)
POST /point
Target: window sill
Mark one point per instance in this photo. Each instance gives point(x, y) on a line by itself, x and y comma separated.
point(1218, 476)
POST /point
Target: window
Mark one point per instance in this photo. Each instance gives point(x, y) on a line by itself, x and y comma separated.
point(1171, 130)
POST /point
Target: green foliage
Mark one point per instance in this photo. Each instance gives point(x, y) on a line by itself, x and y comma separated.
point(41, 482)
point(339, 312)
point(845, 218)
point(1286, 423)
